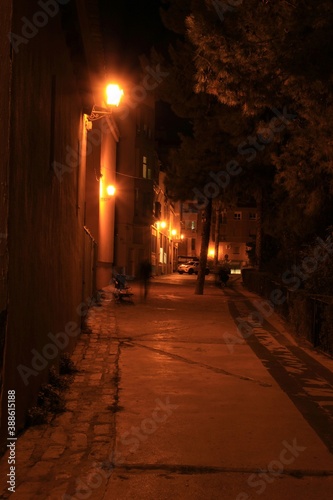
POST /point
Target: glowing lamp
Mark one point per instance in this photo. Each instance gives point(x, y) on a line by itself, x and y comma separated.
point(111, 190)
point(163, 224)
point(113, 94)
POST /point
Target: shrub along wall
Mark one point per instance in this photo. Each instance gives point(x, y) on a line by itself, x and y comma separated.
point(311, 316)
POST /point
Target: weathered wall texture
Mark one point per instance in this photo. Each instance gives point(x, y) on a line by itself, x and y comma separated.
point(5, 83)
point(45, 207)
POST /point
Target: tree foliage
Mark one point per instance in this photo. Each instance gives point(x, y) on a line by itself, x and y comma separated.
point(266, 55)
point(268, 66)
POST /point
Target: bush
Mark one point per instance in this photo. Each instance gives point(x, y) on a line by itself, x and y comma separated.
point(50, 399)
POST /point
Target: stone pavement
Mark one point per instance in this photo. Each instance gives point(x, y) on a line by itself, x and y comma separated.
point(72, 456)
point(66, 458)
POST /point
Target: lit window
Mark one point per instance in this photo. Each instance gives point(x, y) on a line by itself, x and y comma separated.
point(237, 215)
point(190, 225)
point(144, 167)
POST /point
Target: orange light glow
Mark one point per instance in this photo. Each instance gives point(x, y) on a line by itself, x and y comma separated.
point(113, 94)
point(174, 232)
point(163, 224)
point(111, 190)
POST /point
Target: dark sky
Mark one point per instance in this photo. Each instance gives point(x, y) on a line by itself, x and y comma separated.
point(130, 29)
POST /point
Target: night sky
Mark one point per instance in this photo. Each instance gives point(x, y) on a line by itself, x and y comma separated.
point(130, 29)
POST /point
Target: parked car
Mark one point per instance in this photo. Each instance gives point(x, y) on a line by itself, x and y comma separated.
point(190, 267)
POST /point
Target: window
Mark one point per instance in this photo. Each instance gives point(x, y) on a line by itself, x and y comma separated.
point(190, 225)
point(146, 170)
point(237, 215)
point(144, 167)
point(153, 241)
point(158, 210)
point(253, 216)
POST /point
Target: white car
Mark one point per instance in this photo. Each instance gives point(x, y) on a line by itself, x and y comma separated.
point(190, 267)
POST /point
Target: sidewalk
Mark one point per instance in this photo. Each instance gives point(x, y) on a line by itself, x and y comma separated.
point(233, 411)
point(51, 457)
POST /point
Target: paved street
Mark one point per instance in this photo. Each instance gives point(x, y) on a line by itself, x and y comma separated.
point(186, 397)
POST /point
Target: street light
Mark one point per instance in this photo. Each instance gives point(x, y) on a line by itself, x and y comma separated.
point(111, 190)
point(113, 94)
point(113, 97)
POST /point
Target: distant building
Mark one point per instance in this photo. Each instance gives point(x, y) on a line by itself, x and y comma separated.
point(144, 216)
point(235, 229)
point(137, 174)
point(165, 231)
point(190, 222)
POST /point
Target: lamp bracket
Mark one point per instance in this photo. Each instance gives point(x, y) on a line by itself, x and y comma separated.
point(98, 112)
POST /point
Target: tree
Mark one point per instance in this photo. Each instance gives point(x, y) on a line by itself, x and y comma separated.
point(258, 91)
point(266, 57)
point(204, 152)
point(206, 226)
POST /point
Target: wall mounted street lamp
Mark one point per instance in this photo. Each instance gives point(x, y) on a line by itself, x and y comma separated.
point(111, 190)
point(106, 193)
point(113, 97)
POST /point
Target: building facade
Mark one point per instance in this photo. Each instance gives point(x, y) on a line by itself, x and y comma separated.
point(165, 231)
point(236, 227)
point(232, 229)
point(144, 216)
point(52, 73)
